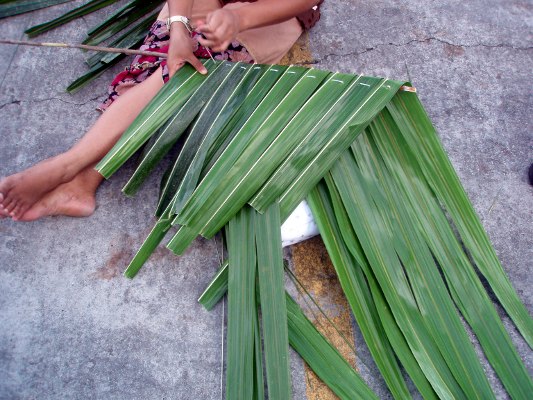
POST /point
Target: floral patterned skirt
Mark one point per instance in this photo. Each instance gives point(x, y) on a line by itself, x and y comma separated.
point(144, 66)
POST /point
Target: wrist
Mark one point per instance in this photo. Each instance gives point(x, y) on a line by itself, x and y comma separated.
point(179, 22)
point(239, 19)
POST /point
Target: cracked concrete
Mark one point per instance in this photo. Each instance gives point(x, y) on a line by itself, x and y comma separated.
point(410, 42)
point(73, 328)
point(18, 102)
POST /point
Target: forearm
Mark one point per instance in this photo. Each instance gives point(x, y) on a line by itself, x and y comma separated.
point(180, 7)
point(269, 12)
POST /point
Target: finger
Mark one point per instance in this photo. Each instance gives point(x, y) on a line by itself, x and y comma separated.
point(208, 36)
point(9, 205)
point(204, 29)
point(197, 65)
point(215, 45)
point(208, 43)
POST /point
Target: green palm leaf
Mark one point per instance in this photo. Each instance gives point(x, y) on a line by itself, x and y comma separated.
point(314, 348)
point(409, 114)
point(342, 112)
point(241, 305)
point(224, 105)
point(269, 117)
point(15, 7)
point(425, 280)
point(78, 12)
point(273, 307)
point(259, 381)
point(323, 358)
point(349, 239)
point(165, 104)
point(358, 295)
point(184, 176)
point(374, 236)
point(93, 73)
point(127, 16)
point(361, 114)
point(173, 130)
point(465, 286)
point(216, 289)
point(130, 39)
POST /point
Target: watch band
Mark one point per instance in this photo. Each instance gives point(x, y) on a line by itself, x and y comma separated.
point(179, 18)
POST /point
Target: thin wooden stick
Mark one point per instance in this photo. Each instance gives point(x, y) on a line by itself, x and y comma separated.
point(85, 47)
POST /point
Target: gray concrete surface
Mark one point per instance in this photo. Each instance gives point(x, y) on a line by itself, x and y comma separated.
point(72, 328)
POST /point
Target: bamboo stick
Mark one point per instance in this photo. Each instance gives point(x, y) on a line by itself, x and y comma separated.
point(85, 47)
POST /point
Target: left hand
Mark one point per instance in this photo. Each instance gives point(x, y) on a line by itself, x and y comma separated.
point(219, 29)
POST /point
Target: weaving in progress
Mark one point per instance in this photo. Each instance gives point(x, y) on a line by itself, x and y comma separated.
point(363, 153)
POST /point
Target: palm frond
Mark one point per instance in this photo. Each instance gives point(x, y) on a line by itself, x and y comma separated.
point(382, 211)
point(409, 114)
point(9, 8)
point(127, 16)
point(130, 39)
point(165, 104)
point(241, 305)
point(308, 342)
point(77, 12)
point(273, 307)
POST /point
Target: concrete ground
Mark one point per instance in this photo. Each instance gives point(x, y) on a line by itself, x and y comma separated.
point(71, 327)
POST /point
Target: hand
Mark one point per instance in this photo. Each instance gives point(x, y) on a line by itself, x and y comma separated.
point(220, 29)
point(181, 50)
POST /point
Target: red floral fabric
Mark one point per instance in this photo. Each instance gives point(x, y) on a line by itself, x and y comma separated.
point(144, 66)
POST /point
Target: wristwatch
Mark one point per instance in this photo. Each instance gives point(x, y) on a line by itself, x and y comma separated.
point(179, 18)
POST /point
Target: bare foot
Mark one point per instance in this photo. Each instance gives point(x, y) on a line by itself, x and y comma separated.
point(66, 199)
point(20, 191)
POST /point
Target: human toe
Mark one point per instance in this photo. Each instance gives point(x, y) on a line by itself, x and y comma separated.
point(19, 211)
point(16, 211)
point(3, 212)
point(6, 184)
point(8, 206)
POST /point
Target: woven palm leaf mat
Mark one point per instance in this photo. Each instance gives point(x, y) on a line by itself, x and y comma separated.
point(314, 270)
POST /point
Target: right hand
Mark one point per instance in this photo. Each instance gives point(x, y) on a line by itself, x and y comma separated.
point(181, 50)
point(220, 29)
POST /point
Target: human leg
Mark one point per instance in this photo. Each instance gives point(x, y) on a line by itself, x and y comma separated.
point(19, 192)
